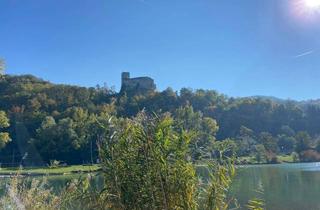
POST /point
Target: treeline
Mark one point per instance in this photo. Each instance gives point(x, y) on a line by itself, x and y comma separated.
point(60, 122)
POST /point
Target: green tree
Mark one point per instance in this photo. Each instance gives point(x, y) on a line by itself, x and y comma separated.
point(260, 153)
point(245, 141)
point(268, 141)
point(203, 130)
point(270, 145)
point(57, 140)
point(286, 143)
point(4, 123)
point(303, 141)
point(2, 67)
point(286, 130)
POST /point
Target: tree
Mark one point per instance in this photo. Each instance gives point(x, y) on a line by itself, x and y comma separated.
point(57, 140)
point(318, 146)
point(2, 67)
point(245, 141)
point(69, 139)
point(270, 145)
point(260, 153)
point(286, 130)
point(203, 130)
point(303, 141)
point(4, 123)
point(286, 143)
point(268, 142)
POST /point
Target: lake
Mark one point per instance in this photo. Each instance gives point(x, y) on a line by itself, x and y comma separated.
point(285, 186)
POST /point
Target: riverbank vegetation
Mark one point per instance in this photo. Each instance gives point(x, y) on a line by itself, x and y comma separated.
point(146, 163)
point(60, 170)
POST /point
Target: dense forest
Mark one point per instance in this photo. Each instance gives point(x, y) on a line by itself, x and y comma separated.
point(47, 122)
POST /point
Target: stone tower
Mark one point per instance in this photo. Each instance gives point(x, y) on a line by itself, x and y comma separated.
point(125, 76)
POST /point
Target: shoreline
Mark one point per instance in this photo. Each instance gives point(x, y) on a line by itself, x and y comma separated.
point(41, 171)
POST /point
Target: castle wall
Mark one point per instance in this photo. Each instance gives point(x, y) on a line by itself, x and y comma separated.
point(138, 84)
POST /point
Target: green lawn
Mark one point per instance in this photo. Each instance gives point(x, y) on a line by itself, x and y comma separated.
point(247, 159)
point(285, 158)
point(47, 170)
point(281, 159)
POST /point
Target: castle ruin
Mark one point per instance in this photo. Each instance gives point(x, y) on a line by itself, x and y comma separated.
point(137, 85)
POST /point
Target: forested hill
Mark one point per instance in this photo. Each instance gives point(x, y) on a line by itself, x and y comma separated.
point(47, 121)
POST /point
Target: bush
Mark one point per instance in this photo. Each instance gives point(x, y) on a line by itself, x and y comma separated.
point(295, 157)
point(309, 156)
point(54, 164)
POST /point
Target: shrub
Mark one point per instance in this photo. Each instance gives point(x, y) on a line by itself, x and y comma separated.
point(309, 156)
point(54, 164)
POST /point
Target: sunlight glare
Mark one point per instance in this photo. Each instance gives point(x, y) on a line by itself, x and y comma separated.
point(313, 4)
point(306, 12)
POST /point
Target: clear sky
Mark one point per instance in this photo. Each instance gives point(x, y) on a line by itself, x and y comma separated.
point(238, 47)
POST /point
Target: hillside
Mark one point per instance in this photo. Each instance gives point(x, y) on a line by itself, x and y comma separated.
point(32, 103)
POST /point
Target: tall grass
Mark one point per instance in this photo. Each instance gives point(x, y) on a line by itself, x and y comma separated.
point(25, 195)
point(146, 165)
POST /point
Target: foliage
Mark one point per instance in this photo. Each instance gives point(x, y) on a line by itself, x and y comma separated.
point(256, 204)
point(260, 153)
point(309, 156)
point(295, 157)
point(54, 164)
point(286, 143)
point(303, 141)
point(83, 194)
point(30, 103)
point(245, 140)
point(4, 123)
point(2, 67)
point(29, 195)
point(66, 137)
point(36, 194)
point(268, 142)
point(202, 130)
point(221, 173)
point(145, 165)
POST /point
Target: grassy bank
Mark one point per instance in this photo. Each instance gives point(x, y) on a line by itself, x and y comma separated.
point(92, 168)
point(50, 171)
point(252, 159)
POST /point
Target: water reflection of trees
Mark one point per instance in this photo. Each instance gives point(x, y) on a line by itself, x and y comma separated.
point(283, 188)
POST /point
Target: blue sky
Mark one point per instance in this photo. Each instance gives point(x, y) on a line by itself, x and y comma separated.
point(238, 47)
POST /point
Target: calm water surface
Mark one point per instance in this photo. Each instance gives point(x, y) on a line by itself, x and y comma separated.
point(285, 186)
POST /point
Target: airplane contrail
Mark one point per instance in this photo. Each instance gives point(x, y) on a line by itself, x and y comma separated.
point(304, 54)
